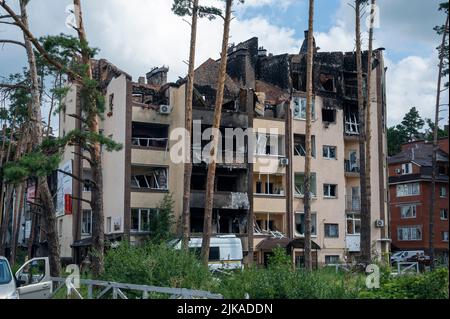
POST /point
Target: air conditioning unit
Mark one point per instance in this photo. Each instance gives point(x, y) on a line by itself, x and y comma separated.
point(284, 161)
point(398, 170)
point(379, 223)
point(165, 109)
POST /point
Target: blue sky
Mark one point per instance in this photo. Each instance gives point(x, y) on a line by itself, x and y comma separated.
point(137, 35)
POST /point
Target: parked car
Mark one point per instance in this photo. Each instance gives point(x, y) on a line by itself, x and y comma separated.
point(225, 251)
point(402, 256)
point(31, 281)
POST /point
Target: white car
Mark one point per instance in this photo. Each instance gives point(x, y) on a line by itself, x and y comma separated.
point(32, 280)
point(402, 256)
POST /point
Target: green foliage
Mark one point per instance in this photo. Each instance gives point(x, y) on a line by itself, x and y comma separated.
point(157, 265)
point(396, 136)
point(413, 123)
point(430, 131)
point(430, 285)
point(162, 222)
point(31, 164)
point(444, 50)
point(185, 8)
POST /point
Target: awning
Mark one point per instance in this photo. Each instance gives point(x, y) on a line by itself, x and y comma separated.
point(88, 241)
point(271, 243)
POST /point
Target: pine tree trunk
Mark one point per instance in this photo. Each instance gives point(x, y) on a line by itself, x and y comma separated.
point(188, 123)
point(365, 218)
point(435, 149)
point(308, 158)
point(36, 135)
point(16, 223)
point(368, 220)
point(98, 229)
point(209, 200)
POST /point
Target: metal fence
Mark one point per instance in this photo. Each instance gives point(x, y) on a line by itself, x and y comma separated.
point(100, 289)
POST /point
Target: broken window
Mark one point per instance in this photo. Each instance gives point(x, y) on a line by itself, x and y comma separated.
point(300, 184)
point(140, 219)
point(226, 183)
point(269, 185)
point(300, 224)
point(150, 178)
point(332, 259)
point(328, 115)
point(330, 190)
point(329, 152)
point(198, 182)
point(267, 144)
point(351, 117)
point(327, 82)
point(299, 108)
point(150, 135)
point(300, 145)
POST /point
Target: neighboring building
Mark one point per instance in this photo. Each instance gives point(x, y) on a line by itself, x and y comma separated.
point(410, 193)
point(263, 93)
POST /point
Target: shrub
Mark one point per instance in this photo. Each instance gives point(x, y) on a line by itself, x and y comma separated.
point(157, 265)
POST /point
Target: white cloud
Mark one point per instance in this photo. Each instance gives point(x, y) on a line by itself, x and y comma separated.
point(135, 38)
point(412, 82)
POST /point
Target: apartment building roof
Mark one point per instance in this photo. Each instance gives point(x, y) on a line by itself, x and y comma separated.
point(420, 153)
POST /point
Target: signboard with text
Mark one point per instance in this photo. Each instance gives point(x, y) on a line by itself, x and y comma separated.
point(64, 193)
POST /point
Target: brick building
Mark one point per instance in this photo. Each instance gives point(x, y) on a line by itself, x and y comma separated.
point(410, 193)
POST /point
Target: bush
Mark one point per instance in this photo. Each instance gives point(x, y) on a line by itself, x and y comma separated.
point(157, 265)
point(430, 285)
point(281, 281)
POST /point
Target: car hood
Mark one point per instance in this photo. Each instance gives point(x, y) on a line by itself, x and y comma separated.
point(7, 289)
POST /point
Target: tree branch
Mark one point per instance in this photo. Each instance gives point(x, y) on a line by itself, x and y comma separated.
point(82, 199)
point(84, 181)
point(14, 86)
point(12, 41)
point(36, 43)
point(83, 157)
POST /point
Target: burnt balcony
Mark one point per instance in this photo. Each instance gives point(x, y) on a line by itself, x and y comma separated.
point(222, 200)
point(352, 203)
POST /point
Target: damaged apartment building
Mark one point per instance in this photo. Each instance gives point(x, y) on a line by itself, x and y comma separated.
point(262, 197)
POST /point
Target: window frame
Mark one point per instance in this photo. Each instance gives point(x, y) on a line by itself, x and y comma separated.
point(313, 224)
point(328, 226)
point(329, 187)
point(148, 178)
point(445, 210)
point(354, 218)
point(410, 237)
point(140, 211)
point(414, 210)
point(328, 152)
point(407, 168)
point(409, 187)
point(83, 223)
point(313, 189)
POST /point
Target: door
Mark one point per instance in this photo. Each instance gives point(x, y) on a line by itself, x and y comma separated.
point(33, 279)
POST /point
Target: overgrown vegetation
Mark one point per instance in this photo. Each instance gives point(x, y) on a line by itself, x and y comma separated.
point(160, 265)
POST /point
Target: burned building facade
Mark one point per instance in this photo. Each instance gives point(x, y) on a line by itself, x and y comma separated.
point(259, 192)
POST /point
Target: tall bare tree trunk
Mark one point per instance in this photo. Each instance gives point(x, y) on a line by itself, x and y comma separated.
point(98, 229)
point(185, 221)
point(308, 158)
point(209, 200)
point(365, 218)
point(369, 126)
point(16, 222)
point(436, 148)
point(36, 137)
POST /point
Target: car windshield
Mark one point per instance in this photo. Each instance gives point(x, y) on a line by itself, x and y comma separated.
point(5, 273)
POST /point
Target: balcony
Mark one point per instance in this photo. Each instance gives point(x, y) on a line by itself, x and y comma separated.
point(353, 243)
point(351, 168)
point(222, 200)
point(352, 203)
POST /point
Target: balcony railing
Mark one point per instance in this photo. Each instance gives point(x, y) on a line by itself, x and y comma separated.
point(352, 203)
point(351, 167)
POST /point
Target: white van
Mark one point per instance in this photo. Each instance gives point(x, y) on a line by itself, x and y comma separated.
point(225, 251)
point(32, 280)
point(401, 256)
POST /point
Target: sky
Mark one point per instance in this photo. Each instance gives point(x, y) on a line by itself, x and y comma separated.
point(137, 35)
